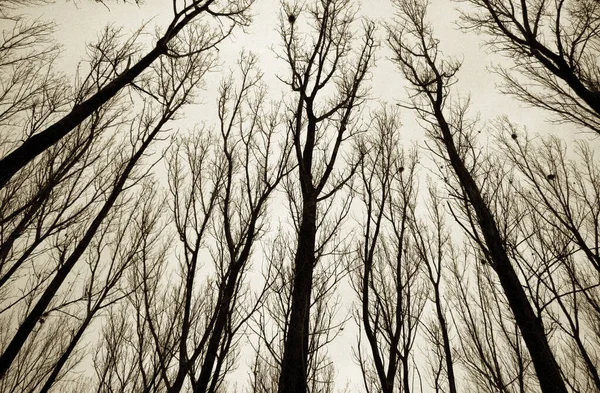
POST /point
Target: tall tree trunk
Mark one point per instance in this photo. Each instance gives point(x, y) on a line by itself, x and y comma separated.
point(293, 378)
point(531, 327)
point(223, 313)
point(40, 142)
point(445, 340)
point(27, 326)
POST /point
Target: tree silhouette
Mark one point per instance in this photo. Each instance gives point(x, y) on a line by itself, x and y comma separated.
point(416, 53)
point(153, 239)
point(553, 44)
point(157, 110)
point(319, 127)
point(123, 74)
point(389, 283)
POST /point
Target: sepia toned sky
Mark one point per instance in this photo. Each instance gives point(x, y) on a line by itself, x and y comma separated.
point(80, 22)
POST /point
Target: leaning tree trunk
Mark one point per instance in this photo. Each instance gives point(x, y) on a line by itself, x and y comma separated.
point(531, 327)
point(40, 142)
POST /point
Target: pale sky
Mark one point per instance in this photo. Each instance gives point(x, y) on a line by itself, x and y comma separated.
point(80, 21)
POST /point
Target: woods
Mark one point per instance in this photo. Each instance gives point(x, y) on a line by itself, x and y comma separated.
point(181, 214)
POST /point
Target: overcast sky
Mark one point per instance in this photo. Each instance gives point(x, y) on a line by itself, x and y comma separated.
point(79, 22)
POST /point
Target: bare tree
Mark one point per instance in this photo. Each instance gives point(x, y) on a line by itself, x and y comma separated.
point(137, 233)
point(124, 73)
point(320, 123)
point(489, 344)
point(271, 321)
point(125, 358)
point(560, 189)
point(416, 53)
point(560, 228)
point(30, 93)
point(388, 279)
point(220, 187)
point(116, 365)
point(554, 45)
point(169, 91)
point(47, 201)
point(255, 160)
point(434, 248)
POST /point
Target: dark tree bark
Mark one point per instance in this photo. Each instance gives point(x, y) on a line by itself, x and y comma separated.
point(417, 55)
point(313, 126)
point(553, 44)
point(40, 142)
point(295, 360)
